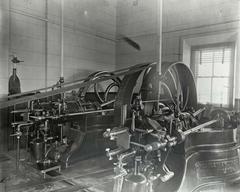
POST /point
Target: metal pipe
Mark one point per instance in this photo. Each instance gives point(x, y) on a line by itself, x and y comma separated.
point(18, 134)
point(159, 33)
point(20, 12)
point(72, 85)
point(159, 46)
point(88, 112)
point(18, 154)
point(62, 40)
point(116, 73)
point(46, 43)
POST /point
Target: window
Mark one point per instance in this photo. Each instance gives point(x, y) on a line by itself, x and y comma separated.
point(213, 68)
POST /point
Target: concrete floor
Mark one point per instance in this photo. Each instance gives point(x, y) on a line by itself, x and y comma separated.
point(93, 175)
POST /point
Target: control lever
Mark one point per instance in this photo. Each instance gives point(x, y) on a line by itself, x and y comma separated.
point(182, 134)
point(200, 127)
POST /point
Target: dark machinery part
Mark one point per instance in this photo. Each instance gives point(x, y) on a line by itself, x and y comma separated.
point(65, 128)
point(150, 136)
point(151, 144)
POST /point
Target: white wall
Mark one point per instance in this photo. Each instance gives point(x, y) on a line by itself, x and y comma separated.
point(137, 19)
point(89, 40)
point(4, 42)
point(181, 19)
point(194, 18)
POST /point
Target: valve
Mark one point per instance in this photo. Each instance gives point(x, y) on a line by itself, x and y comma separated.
point(18, 134)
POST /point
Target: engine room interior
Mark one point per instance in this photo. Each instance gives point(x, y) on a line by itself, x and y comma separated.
point(119, 96)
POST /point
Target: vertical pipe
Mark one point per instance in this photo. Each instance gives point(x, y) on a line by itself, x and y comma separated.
point(18, 154)
point(46, 43)
point(237, 60)
point(62, 41)
point(159, 46)
point(9, 35)
point(7, 132)
point(159, 34)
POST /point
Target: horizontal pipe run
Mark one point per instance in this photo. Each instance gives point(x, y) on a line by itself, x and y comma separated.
point(79, 84)
point(88, 112)
point(120, 71)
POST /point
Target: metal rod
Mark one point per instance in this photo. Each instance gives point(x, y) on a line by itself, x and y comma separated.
point(87, 112)
point(195, 114)
point(18, 154)
point(74, 86)
point(159, 32)
point(124, 71)
point(46, 43)
point(200, 127)
point(137, 144)
point(159, 47)
point(108, 102)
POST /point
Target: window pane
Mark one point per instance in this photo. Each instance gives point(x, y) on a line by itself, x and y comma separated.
point(222, 59)
point(220, 91)
point(205, 63)
point(213, 73)
point(204, 90)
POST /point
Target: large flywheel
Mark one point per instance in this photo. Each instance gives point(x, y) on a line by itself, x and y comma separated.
point(153, 138)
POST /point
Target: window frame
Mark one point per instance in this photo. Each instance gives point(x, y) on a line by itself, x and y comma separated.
point(232, 65)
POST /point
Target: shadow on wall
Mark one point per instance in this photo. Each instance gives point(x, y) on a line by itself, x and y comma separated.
point(3, 128)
